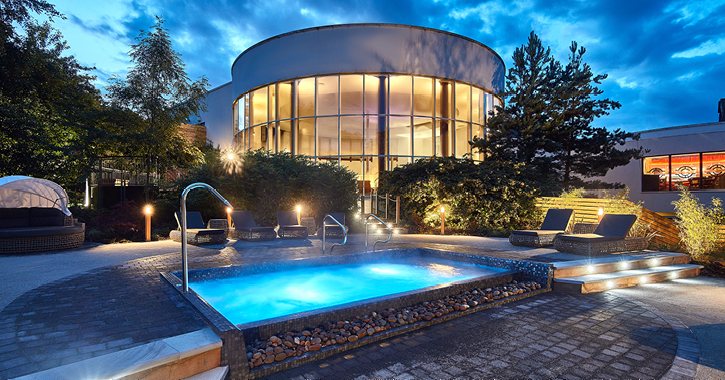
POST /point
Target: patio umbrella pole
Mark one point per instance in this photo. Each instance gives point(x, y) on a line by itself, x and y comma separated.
point(184, 254)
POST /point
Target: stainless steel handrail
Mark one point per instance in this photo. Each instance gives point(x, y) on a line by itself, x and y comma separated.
point(184, 254)
point(390, 232)
point(344, 231)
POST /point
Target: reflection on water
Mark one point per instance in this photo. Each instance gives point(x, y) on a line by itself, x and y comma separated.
point(256, 297)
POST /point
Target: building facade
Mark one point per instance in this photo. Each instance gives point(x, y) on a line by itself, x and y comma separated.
point(369, 97)
point(692, 156)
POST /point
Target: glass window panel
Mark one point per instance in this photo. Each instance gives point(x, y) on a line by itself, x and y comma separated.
point(235, 116)
point(245, 145)
point(401, 95)
point(477, 131)
point(444, 98)
point(463, 102)
point(489, 105)
point(396, 161)
point(422, 96)
point(351, 94)
point(374, 104)
point(463, 131)
point(327, 95)
point(258, 137)
point(306, 97)
point(443, 137)
point(246, 111)
point(259, 106)
point(284, 100)
point(422, 137)
point(285, 136)
point(271, 103)
point(400, 135)
point(374, 137)
point(713, 167)
point(327, 136)
point(306, 137)
point(477, 110)
point(686, 170)
point(351, 135)
point(655, 175)
point(356, 165)
point(372, 170)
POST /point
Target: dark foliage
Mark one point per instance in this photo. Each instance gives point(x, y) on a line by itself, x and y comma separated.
point(489, 198)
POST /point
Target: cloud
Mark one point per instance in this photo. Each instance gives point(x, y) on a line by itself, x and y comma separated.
point(716, 46)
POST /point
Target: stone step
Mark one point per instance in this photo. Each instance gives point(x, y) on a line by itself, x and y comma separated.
point(616, 263)
point(219, 373)
point(623, 279)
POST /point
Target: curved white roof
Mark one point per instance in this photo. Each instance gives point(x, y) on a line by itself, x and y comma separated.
point(20, 191)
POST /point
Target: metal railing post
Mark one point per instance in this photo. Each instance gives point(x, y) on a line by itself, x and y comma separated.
point(390, 231)
point(184, 253)
point(344, 231)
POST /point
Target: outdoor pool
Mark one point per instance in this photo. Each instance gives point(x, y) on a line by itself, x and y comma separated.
point(248, 298)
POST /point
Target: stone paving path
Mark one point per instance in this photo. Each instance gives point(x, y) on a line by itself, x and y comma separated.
point(125, 305)
point(548, 336)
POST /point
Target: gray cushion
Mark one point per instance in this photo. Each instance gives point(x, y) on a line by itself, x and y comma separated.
point(44, 216)
point(615, 225)
point(40, 231)
point(287, 218)
point(557, 219)
point(193, 220)
point(536, 232)
point(206, 231)
point(588, 238)
point(14, 217)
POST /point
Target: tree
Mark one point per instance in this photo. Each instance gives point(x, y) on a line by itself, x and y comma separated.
point(48, 103)
point(517, 131)
point(580, 149)
point(154, 99)
point(546, 120)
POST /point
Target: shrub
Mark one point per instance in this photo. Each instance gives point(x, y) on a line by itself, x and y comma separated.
point(698, 224)
point(487, 198)
point(265, 182)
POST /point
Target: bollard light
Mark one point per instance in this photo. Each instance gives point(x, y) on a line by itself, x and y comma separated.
point(148, 210)
point(229, 217)
point(299, 209)
point(443, 220)
point(600, 214)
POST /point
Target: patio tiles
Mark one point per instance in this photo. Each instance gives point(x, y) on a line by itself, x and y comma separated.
point(126, 305)
point(471, 346)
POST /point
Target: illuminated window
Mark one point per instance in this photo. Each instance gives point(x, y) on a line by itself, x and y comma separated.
point(462, 138)
point(463, 102)
point(351, 135)
point(327, 95)
point(306, 97)
point(655, 174)
point(306, 137)
point(259, 106)
point(696, 171)
point(401, 96)
point(400, 135)
point(713, 169)
point(284, 100)
point(422, 96)
point(422, 137)
point(351, 94)
point(685, 170)
point(327, 135)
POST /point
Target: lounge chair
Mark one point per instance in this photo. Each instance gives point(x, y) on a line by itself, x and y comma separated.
point(609, 237)
point(555, 223)
point(245, 228)
point(196, 231)
point(332, 229)
point(288, 226)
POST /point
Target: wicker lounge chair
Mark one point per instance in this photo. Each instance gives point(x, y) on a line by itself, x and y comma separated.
point(555, 223)
point(609, 237)
point(288, 226)
point(245, 228)
point(196, 232)
point(332, 229)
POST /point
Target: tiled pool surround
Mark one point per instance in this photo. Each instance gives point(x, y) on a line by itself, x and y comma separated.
point(233, 337)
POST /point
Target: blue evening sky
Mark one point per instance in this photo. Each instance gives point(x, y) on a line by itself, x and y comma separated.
point(665, 59)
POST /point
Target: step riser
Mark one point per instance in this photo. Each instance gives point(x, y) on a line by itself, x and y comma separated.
point(616, 267)
point(600, 286)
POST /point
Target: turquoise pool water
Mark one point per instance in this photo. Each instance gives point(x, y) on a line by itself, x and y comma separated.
point(252, 298)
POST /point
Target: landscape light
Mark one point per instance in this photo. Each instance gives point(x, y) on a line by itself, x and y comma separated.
point(148, 210)
point(229, 217)
point(443, 220)
point(299, 209)
point(600, 214)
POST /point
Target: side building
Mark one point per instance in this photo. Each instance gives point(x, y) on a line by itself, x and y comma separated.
point(691, 155)
point(369, 97)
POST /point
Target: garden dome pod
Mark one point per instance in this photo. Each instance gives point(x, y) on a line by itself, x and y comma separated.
point(21, 191)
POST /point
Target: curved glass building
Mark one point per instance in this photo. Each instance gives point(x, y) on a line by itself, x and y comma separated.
point(366, 96)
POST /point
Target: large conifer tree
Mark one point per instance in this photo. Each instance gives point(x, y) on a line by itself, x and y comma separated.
point(546, 119)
